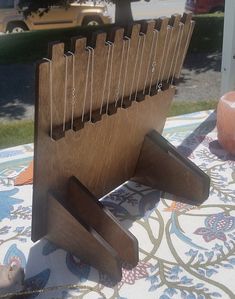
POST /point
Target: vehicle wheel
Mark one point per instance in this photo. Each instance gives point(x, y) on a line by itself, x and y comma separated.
point(16, 27)
point(92, 21)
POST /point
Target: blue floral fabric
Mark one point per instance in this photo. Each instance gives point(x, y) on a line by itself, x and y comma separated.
point(185, 251)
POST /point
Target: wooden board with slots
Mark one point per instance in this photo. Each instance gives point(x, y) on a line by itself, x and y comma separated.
point(100, 111)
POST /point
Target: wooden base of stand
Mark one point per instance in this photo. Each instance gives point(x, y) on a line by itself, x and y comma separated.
point(161, 166)
point(82, 225)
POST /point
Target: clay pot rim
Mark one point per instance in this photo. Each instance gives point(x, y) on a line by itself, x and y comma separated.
point(229, 99)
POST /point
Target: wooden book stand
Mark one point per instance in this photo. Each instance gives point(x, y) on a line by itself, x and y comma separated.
point(100, 110)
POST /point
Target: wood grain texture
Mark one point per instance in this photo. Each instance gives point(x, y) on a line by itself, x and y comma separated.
point(161, 166)
point(84, 205)
point(101, 153)
point(188, 26)
point(75, 236)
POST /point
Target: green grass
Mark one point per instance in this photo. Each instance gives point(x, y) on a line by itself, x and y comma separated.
point(28, 47)
point(15, 133)
point(183, 107)
point(22, 132)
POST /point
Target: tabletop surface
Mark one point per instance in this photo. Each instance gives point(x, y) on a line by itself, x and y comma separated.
point(185, 251)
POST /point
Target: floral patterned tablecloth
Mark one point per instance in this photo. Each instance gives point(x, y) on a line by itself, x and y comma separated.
point(186, 252)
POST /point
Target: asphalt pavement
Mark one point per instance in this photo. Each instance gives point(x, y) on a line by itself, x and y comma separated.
point(200, 78)
point(17, 86)
point(154, 8)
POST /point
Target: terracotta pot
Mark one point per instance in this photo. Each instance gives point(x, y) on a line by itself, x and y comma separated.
point(226, 122)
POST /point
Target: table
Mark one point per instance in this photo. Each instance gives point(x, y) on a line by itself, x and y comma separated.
point(185, 251)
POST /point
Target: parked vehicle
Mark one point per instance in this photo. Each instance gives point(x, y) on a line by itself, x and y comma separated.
point(12, 20)
point(204, 6)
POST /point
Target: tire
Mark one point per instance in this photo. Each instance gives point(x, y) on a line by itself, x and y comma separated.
point(92, 21)
point(16, 27)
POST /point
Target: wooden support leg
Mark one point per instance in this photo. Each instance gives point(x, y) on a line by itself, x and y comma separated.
point(80, 239)
point(161, 166)
point(85, 206)
point(84, 227)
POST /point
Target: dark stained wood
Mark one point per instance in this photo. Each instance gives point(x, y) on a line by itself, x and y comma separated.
point(84, 205)
point(102, 155)
point(101, 102)
point(161, 166)
point(77, 237)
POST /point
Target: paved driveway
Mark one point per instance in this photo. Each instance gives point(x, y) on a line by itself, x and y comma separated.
point(154, 8)
point(200, 78)
point(16, 91)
